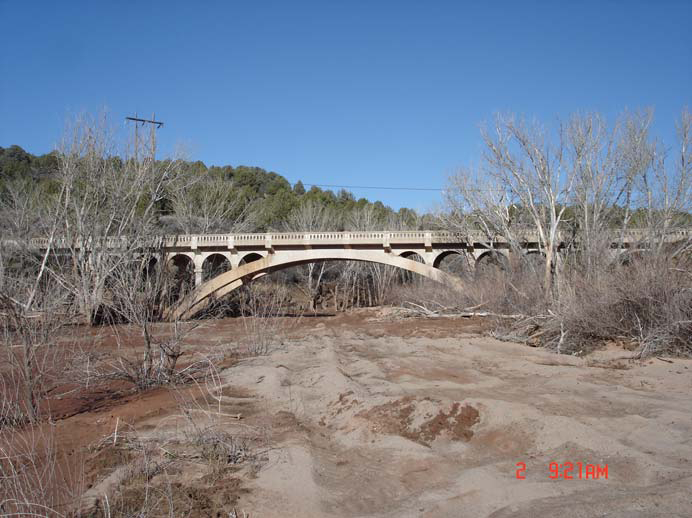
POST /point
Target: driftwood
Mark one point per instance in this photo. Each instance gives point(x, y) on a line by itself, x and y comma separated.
point(445, 312)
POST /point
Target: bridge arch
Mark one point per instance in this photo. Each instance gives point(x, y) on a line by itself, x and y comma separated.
point(215, 288)
point(214, 265)
point(406, 275)
point(457, 262)
point(182, 268)
point(443, 255)
point(489, 261)
point(181, 264)
point(250, 257)
point(411, 254)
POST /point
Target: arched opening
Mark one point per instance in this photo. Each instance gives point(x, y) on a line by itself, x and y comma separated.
point(181, 271)
point(491, 264)
point(214, 265)
point(149, 269)
point(533, 264)
point(405, 276)
point(455, 262)
point(414, 256)
point(250, 258)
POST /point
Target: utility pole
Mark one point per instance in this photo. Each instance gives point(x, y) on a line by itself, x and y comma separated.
point(154, 126)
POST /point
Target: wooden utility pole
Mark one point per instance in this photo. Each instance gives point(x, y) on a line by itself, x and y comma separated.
point(154, 126)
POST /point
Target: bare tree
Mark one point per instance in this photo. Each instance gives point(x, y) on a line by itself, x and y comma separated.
point(595, 157)
point(30, 303)
point(588, 186)
point(108, 209)
point(311, 216)
point(209, 204)
point(666, 187)
point(29, 359)
point(139, 290)
point(522, 185)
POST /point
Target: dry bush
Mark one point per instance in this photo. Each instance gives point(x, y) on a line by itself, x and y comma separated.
point(206, 425)
point(204, 439)
point(263, 308)
point(156, 364)
point(497, 288)
point(31, 359)
point(646, 302)
point(34, 479)
point(136, 494)
point(148, 350)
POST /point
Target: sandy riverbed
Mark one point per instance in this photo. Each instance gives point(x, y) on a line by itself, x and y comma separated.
point(414, 418)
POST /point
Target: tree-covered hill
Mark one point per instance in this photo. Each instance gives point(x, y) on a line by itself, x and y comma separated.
point(265, 200)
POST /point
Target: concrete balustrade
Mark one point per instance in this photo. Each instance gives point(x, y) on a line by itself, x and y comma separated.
point(385, 238)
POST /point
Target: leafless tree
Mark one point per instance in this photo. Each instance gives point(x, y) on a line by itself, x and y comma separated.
point(522, 185)
point(139, 290)
point(31, 304)
point(107, 210)
point(311, 216)
point(209, 204)
point(586, 187)
point(667, 186)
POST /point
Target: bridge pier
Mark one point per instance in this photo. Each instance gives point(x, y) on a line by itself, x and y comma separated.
point(429, 257)
point(198, 261)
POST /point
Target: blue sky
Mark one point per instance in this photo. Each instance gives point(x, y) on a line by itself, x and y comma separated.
point(356, 93)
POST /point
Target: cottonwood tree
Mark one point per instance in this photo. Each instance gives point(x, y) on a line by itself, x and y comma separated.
point(605, 162)
point(108, 209)
point(311, 216)
point(588, 185)
point(522, 187)
point(623, 174)
point(666, 188)
point(208, 203)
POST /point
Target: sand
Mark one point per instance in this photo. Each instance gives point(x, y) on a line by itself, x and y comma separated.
point(425, 418)
point(363, 414)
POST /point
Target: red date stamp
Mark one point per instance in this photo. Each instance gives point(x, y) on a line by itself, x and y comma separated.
point(568, 471)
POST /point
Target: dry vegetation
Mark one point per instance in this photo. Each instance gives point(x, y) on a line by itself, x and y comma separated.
point(574, 190)
point(576, 193)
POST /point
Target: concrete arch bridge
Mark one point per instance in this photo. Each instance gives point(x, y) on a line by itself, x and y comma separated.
point(224, 262)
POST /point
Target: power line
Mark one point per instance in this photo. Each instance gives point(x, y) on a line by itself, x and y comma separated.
point(370, 187)
point(437, 189)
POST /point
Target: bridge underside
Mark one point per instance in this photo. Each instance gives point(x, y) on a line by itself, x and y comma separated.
point(221, 285)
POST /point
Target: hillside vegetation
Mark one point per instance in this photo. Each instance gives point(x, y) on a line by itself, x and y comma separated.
point(217, 198)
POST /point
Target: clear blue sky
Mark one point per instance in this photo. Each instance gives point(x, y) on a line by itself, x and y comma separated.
point(357, 93)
